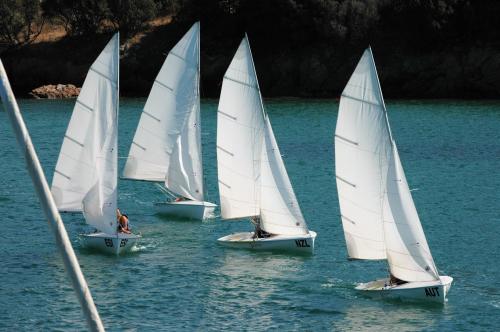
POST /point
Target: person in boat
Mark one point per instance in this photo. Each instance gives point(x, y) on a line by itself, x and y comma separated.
point(395, 281)
point(259, 232)
point(181, 198)
point(123, 226)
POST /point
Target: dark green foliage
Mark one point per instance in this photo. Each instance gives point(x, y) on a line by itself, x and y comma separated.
point(131, 15)
point(423, 48)
point(20, 21)
point(78, 16)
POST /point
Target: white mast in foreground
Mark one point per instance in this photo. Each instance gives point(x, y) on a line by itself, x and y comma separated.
point(49, 207)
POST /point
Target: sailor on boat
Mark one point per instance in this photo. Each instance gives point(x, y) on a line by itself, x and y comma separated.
point(123, 225)
point(259, 232)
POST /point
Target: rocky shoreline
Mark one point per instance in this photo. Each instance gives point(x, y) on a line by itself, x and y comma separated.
point(59, 91)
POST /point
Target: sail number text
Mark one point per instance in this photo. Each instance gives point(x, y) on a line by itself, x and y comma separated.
point(302, 243)
point(432, 291)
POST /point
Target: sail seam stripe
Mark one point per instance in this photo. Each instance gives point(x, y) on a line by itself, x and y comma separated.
point(73, 140)
point(241, 82)
point(151, 116)
point(177, 56)
point(345, 181)
point(84, 105)
point(407, 269)
point(103, 75)
point(347, 199)
point(229, 116)
point(361, 100)
point(346, 140)
point(140, 146)
point(405, 254)
point(364, 238)
point(62, 174)
point(164, 85)
point(226, 185)
point(252, 203)
point(226, 151)
point(348, 219)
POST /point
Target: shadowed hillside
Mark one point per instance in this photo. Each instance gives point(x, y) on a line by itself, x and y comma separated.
point(308, 48)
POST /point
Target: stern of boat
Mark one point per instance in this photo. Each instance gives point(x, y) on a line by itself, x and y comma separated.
point(194, 210)
point(288, 243)
point(424, 291)
point(114, 244)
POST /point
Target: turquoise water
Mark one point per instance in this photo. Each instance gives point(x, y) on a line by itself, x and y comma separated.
point(180, 279)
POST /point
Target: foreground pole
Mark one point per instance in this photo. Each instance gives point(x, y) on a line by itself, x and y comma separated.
point(48, 204)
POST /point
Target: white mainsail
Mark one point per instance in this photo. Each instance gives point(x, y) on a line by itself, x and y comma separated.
point(408, 254)
point(362, 150)
point(85, 177)
point(167, 144)
point(378, 213)
point(252, 177)
point(240, 128)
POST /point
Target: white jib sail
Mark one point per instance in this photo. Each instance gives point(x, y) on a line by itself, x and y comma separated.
point(408, 254)
point(362, 151)
point(280, 211)
point(167, 144)
point(240, 134)
point(85, 177)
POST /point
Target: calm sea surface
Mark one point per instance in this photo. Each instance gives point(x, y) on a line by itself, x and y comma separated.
point(180, 279)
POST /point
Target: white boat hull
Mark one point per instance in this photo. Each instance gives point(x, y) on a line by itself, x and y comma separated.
point(110, 243)
point(187, 209)
point(294, 243)
point(428, 291)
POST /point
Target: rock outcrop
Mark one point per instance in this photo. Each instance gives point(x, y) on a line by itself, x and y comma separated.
point(58, 91)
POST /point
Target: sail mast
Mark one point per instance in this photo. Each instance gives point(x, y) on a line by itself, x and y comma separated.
point(381, 95)
point(48, 204)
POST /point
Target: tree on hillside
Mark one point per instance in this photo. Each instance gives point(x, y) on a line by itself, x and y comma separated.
point(129, 16)
point(20, 21)
point(79, 17)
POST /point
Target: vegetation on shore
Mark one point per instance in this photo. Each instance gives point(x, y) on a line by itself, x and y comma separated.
point(303, 48)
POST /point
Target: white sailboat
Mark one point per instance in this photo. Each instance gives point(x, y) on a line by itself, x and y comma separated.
point(86, 174)
point(253, 182)
point(378, 214)
point(167, 143)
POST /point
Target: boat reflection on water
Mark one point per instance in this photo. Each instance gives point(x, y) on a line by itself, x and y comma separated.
point(390, 316)
point(247, 285)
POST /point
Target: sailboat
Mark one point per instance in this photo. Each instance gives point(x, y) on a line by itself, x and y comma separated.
point(253, 182)
point(86, 174)
point(378, 214)
point(166, 147)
